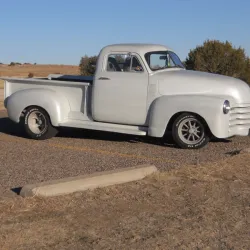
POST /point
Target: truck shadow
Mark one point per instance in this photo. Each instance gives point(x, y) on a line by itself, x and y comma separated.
point(10, 128)
point(109, 136)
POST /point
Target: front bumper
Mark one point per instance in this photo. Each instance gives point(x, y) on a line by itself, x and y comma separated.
point(239, 120)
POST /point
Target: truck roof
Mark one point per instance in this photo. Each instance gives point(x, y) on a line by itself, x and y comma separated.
point(134, 47)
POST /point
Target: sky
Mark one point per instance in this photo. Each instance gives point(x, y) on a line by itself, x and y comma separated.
point(61, 32)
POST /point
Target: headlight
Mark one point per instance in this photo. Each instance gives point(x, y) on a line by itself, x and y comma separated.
point(226, 107)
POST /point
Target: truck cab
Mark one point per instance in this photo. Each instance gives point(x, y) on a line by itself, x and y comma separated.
point(140, 89)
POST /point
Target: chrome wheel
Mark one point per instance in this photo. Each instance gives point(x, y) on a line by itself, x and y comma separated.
point(190, 131)
point(37, 122)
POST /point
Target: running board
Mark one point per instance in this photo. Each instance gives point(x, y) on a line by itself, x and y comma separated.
point(124, 129)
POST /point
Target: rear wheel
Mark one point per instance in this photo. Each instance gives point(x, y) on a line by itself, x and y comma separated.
point(37, 124)
point(189, 131)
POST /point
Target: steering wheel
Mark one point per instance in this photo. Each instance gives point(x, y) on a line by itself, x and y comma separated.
point(138, 68)
point(112, 66)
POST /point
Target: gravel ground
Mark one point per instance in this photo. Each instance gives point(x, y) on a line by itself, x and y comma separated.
point(74, 152)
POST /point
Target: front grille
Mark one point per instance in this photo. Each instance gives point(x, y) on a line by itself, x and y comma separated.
point(240, 116)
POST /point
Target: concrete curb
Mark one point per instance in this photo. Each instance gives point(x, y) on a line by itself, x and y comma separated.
point(85, 182)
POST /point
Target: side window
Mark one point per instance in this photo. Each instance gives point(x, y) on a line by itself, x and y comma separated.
point(136, 65)
point(123, 63)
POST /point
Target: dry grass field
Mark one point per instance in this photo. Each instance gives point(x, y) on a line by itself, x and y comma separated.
point(2, 105)
point(1, 97)
point(36, 70)
point(195, 207)
point(1, 84)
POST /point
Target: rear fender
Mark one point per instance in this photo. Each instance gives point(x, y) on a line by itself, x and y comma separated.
point(208, 107)
point(55, 104)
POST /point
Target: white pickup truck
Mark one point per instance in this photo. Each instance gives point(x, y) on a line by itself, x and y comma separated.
point(140, 89)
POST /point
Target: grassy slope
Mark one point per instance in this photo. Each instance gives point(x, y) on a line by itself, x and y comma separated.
point(196, 207)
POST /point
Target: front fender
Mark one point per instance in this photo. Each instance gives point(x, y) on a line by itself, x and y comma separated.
point(54, 103)
point(210, 108)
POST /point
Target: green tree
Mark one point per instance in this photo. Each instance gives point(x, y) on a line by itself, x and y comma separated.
point(246, 76)
point(87, 65)
point(219, 58)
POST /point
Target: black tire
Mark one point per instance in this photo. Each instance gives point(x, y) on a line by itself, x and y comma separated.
point(47, 130)
point(199, 133)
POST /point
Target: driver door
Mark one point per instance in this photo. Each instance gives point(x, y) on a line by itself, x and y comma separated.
point(120, 90)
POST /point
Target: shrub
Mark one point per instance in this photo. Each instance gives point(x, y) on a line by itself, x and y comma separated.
point(30, 75)
point(87, 65)
point(14, 63)
point(220, 58)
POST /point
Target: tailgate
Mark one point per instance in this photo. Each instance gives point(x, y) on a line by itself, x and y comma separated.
point(7, 87)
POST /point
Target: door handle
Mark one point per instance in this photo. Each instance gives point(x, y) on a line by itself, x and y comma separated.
point(103, 78)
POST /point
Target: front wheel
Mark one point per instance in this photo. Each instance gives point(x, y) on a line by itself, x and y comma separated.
point(37, 124)
point(189, 132)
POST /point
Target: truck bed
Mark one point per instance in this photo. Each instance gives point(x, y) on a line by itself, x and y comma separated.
point(72, 78)
point(73, 87)
point(51, 80)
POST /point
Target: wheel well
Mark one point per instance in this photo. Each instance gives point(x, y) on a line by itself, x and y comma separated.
point(172, 119)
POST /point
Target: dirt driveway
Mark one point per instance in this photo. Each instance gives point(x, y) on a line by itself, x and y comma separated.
point(75, 152)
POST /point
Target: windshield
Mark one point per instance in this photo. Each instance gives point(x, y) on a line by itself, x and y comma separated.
point(163, 59)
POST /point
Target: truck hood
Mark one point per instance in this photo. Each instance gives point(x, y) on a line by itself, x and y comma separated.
point(188, 82)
